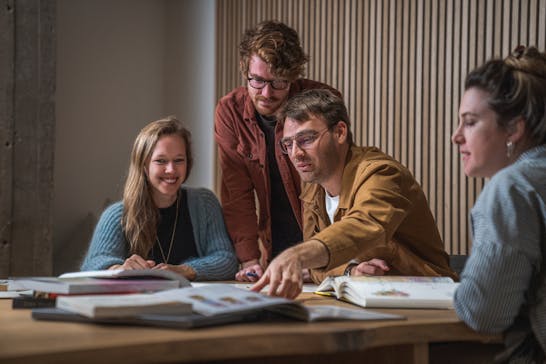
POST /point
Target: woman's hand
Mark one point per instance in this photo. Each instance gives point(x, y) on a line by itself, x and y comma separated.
point(181, 269)
point(134, 262)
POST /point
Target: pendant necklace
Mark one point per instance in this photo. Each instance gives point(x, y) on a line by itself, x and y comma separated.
point(172, 235)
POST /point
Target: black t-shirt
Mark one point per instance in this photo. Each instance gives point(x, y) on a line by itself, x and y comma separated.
point(183, 246)
point(285, 231)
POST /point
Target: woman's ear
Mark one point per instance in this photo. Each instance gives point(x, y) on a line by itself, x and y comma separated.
point(516, 131)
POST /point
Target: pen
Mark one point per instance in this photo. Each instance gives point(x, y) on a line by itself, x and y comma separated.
point(252, 274)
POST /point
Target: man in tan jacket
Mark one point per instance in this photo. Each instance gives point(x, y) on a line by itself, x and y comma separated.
point(364, 213)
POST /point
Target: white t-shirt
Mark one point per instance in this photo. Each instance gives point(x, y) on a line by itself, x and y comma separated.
point(331, 205)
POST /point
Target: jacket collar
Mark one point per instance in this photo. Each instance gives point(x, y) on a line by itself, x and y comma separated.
point(312, 192)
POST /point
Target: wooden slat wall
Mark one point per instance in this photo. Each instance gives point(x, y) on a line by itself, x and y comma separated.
point(400, 65)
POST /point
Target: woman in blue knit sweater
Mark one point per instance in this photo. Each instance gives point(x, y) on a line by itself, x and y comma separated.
point(159, 224)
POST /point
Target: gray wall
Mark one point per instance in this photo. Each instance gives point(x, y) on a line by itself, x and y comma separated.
point(120, 65)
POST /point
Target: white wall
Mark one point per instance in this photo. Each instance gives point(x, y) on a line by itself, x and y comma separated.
point(190, 79)
point(120, 65)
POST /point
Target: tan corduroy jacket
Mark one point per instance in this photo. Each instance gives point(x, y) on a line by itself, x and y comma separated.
point(382, 213)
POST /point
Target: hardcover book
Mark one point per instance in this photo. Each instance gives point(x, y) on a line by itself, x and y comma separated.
point(107, 281)
point(116, 305)
point(391, 291)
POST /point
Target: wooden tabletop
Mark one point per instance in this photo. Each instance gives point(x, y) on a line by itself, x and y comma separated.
point(24, 340)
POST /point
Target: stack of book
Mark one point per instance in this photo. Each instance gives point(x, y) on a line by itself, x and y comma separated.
point(47, 289)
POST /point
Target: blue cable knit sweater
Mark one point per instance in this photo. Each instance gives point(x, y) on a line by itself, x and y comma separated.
point(216, 260)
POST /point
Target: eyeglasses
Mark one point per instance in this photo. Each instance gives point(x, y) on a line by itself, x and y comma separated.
point(275, 84)
point(304, 140)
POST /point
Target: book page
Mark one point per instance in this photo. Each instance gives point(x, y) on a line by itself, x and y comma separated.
point(307, 287)
point(371, 279)
point(222, 298)
point(400, 294)
point(334, 286)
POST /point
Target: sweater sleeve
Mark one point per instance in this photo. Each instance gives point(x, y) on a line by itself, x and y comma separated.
point(217, 260)
point(108, 245)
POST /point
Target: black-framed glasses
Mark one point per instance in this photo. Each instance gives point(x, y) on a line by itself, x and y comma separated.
point(303, 140)
point(275, 84)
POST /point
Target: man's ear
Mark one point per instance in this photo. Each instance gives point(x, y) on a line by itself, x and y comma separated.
point(341, 130)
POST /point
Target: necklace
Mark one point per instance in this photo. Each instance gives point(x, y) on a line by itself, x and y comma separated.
point(166, 260)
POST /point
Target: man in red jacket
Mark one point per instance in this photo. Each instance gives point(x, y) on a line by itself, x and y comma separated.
point(259, 186)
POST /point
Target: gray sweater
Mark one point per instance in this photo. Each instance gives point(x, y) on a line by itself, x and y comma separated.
point(216, 261)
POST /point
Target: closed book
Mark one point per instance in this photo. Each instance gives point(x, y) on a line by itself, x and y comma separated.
point(115, 305)
point(130, 274)
point(107, 281)
point(391, 291)
point(32, 302)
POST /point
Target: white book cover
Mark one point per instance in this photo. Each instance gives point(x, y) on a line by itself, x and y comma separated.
point(125, 305)
point(129, 273)
point(104, 281)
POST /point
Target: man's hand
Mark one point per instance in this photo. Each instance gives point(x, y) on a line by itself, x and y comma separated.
point(284, 276)
point(251, 271)
point(373, 267)
point(285, 273)
point(306, 276)
point(134, 262)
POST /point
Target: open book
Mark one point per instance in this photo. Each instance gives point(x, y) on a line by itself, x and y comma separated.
point(391, 291)
point(103, 281)
point(214, 304)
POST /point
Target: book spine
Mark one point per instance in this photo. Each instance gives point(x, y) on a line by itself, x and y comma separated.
point(31, 302)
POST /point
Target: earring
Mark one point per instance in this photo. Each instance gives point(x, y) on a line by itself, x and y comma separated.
point(509, 148)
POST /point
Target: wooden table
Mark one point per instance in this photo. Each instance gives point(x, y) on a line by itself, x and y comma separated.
point(426, 336)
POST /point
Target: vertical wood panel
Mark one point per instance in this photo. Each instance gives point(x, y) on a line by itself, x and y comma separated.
point(7, 50)
point(400, 66)
point(27, 136)
point(405, 85)
point(439, 137)
point(541, 29)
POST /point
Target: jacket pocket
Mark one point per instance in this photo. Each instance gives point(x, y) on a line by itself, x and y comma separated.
point(246, 152)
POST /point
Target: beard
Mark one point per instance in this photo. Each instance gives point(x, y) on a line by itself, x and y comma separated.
point(267, 106)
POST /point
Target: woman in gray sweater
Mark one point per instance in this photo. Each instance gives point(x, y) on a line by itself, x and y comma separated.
point(159, 224)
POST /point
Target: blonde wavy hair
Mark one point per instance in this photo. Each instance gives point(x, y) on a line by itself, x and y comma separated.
point(140, 215)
